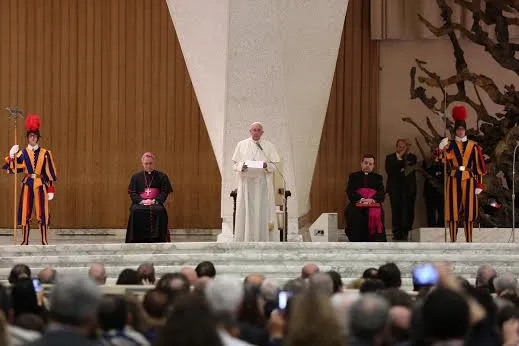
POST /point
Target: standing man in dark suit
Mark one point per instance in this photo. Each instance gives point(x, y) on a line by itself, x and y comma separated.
point(401, 186)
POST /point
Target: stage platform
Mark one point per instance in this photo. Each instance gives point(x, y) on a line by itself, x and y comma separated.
point(280, 261)
point(102, 236)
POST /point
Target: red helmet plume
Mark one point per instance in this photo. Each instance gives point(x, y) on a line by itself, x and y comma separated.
point(32, 123)
point(459, 114)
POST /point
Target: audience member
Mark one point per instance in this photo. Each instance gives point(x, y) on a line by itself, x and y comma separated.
point(174, 284)
point(370, 273)
point(129, 277)
point(341, 303)
point(322, 283)
point(254, 279)
point(190, 275)
point(372, 286)
point(225, 295)
point(30, 322)
point(205, 268)
point(97, 272)
point(397, 297)
point(446, 316)
point(146, 272)
point(113, 319)
point(390, 275)
point(369, 317)
point(25, 299)
point(200, 285)
point(295, 286)
point(485, 277)
point(74, 303)
point(269, 291)
point(190, 323)
point(505, 283)
point(156, 307)
point(312, 321)
point(337, 281)
point(308, 270)
point(47, 275)
point(19, 271)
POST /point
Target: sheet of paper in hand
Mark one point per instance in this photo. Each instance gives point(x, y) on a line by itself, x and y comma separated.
point(254, 164)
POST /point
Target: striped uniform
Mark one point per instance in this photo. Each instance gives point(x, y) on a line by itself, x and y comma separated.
point(465, 170)
point(40, 175)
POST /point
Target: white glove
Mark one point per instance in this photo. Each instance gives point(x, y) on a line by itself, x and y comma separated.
point(443, 143)
point(50, 196)
point(478, 190)
point(13, 151)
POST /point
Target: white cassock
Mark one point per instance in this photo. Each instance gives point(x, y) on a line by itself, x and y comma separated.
point(255, 203)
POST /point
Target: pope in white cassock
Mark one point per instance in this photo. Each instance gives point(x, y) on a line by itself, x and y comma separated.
point(255, 203)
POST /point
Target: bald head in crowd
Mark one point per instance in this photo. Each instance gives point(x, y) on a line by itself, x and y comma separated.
point(47, 275)
point(190, 274)
point(486, 273)
point(97, 272)
point(308, 270)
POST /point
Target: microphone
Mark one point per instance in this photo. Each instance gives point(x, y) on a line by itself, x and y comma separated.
point(259, 146)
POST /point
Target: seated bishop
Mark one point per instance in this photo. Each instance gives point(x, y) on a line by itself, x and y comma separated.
point(364, 214)
point(148, 190)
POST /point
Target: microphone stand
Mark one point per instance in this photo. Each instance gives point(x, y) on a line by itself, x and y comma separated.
point(513, 192)
point(286, 193)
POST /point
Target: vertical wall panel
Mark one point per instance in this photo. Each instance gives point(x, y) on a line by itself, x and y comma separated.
point(350, 128)
point(109, 80)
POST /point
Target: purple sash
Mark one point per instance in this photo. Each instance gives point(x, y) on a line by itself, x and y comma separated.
point(374, 213)
point(150, 193)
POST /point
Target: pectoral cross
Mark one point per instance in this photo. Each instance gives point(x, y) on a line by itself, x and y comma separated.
point(147, 191)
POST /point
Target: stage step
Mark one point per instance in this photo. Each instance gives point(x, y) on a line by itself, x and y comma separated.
point(280, 261)
point(103, 236)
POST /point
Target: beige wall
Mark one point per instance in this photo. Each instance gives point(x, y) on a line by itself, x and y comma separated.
point(396, 60)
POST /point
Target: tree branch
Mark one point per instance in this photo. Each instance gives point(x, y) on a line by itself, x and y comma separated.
point(502, 52)
point(430, 140)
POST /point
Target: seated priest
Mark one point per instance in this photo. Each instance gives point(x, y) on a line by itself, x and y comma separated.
point(148, 190)
point(364, 214)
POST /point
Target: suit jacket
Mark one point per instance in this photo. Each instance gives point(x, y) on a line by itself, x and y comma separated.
point(397, 181)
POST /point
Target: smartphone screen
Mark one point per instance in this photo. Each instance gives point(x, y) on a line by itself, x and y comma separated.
point(37, 285)
point(425, 275)
point(283, 299)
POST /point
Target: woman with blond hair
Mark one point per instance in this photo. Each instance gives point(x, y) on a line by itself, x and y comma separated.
point(312, 321)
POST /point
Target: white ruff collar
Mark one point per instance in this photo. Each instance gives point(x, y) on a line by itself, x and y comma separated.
point(461, 139)
point(33, 148)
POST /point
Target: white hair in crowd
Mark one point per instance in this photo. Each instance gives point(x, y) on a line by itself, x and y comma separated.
point(341, 303)
point(74, 299)
point(224, 295)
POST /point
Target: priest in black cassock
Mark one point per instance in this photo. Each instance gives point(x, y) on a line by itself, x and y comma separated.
point(364, 214)
point(148, 190)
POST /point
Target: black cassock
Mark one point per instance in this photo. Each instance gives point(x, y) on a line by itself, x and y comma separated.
point(357, 217)
point(148, 224)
